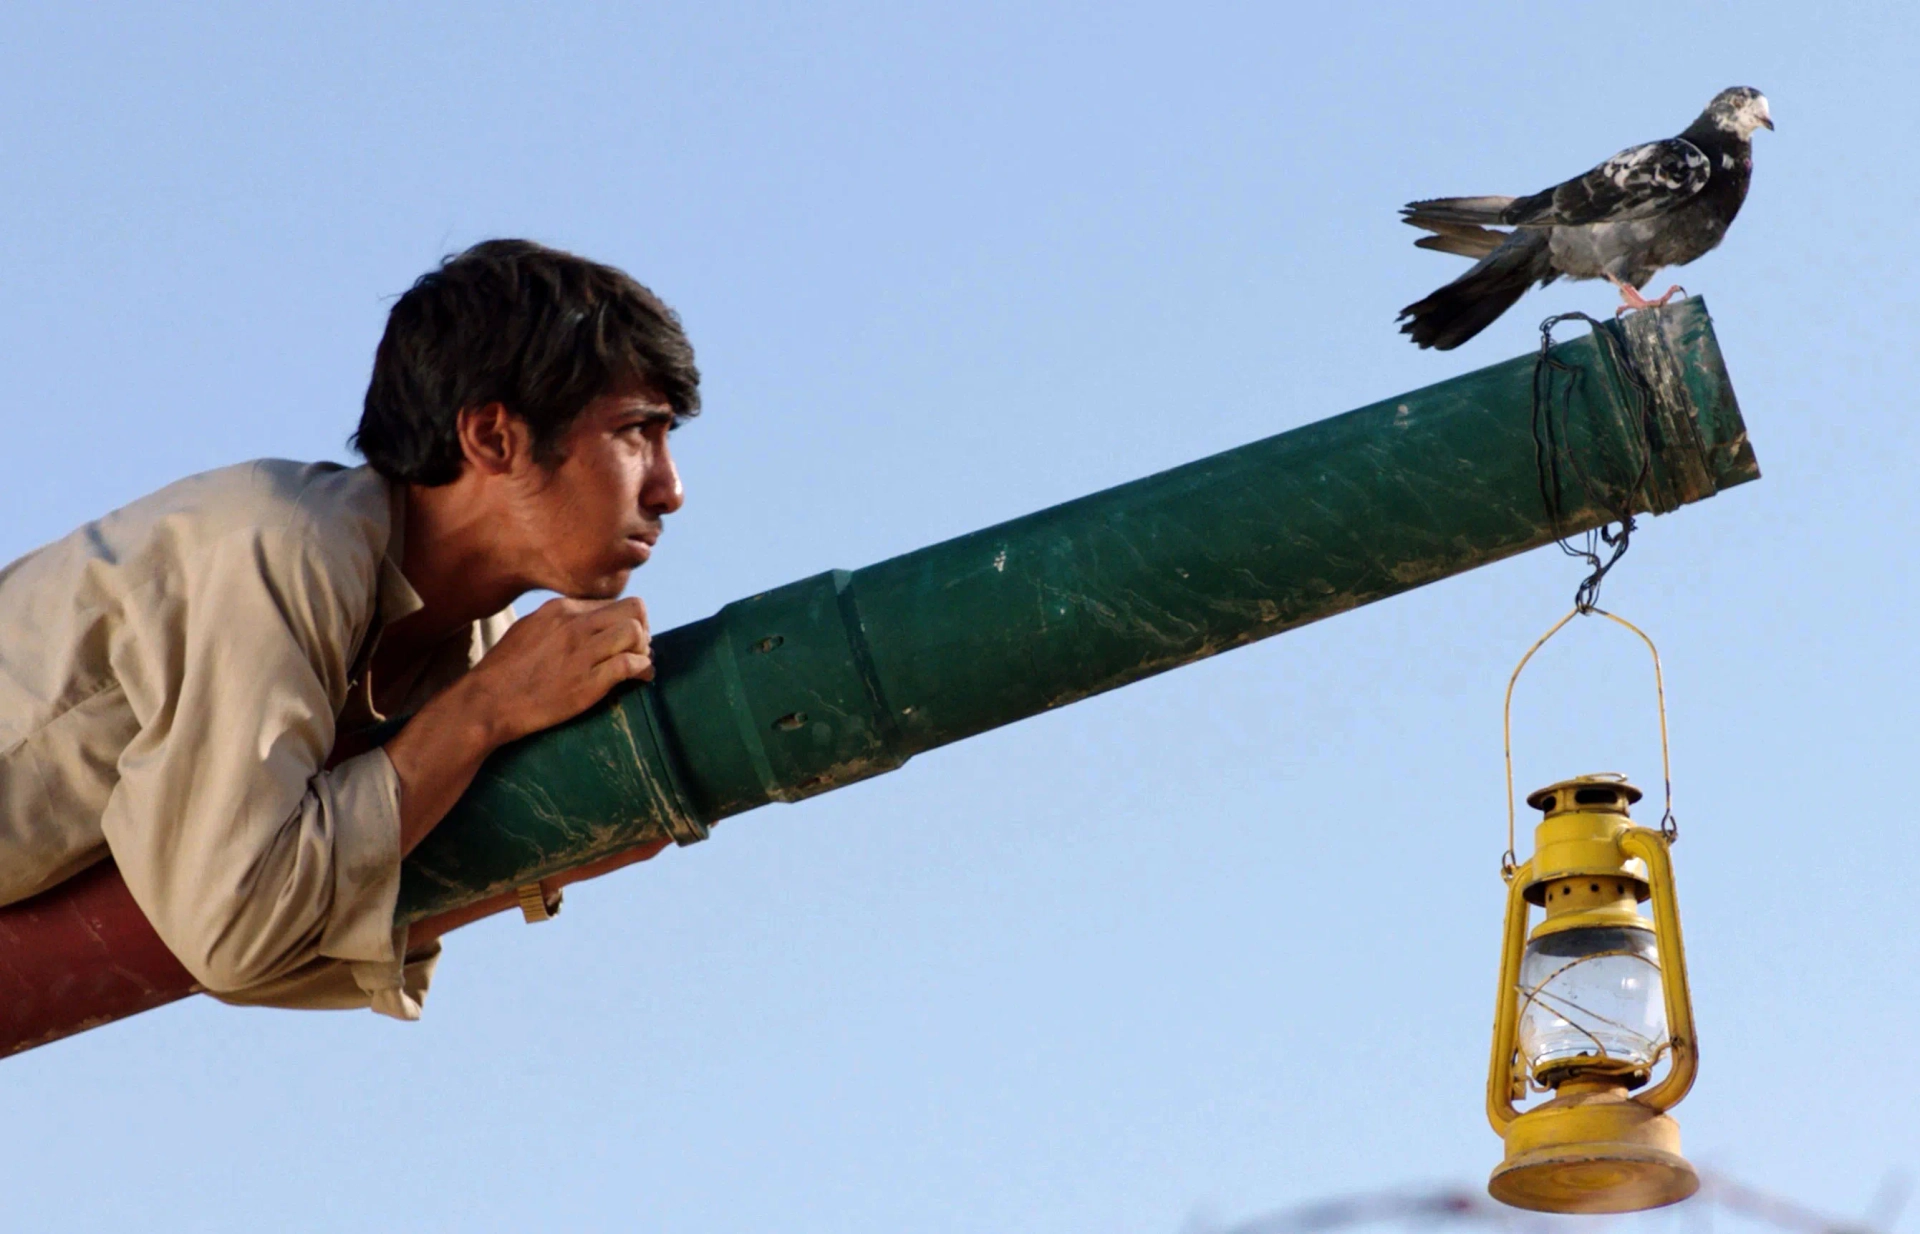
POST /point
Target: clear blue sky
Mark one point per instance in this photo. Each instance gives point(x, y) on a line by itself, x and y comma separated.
point(1214, 944)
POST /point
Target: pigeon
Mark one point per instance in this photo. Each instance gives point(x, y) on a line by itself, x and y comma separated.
point(1660, 204)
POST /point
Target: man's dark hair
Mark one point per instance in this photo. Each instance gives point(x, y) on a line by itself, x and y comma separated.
point(513, 322)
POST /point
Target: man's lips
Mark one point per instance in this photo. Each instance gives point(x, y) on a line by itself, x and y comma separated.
point(641, 547)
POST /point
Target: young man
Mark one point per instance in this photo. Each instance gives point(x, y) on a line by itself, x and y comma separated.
point(183, 683)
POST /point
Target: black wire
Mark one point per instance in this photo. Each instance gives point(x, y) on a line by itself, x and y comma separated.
point(1550, 450)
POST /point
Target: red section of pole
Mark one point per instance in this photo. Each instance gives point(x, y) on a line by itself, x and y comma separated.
point(77, 956)
point(82, 954)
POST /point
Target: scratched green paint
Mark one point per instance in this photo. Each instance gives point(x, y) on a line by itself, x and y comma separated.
point(845, 675)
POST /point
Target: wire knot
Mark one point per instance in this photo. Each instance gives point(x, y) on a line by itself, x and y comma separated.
point(1586, 597)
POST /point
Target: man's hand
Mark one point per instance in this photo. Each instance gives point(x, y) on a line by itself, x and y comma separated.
point(555, 663)
point(547, 668)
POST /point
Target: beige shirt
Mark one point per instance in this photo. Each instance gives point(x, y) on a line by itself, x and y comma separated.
point(172, 677)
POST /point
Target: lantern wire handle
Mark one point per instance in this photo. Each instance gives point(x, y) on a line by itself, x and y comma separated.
point(1669, 825)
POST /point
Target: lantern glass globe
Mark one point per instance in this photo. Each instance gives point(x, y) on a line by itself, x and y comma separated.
point(1592, 996)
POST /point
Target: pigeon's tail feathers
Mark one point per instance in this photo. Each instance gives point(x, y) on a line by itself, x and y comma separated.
point(1480, 211)
point(1472, 302)
point(1461, 238)
point(1475, 247)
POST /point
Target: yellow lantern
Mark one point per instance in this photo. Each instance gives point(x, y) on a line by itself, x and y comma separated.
point(1591, 1000)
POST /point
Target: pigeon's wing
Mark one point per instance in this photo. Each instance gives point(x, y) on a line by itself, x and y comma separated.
point(1636, 183)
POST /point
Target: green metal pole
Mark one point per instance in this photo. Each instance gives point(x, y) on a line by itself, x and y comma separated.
point(841, 676)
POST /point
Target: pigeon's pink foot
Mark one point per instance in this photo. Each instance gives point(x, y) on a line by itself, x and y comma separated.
point(1632, 299)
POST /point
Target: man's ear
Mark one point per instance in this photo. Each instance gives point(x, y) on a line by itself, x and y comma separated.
point(493, 439)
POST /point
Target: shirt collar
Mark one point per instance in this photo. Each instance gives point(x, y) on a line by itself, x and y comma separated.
point(397, 598)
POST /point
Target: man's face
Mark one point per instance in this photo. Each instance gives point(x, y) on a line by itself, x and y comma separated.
point(595, 515)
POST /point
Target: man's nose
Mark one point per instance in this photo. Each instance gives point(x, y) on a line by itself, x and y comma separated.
point(662, 493)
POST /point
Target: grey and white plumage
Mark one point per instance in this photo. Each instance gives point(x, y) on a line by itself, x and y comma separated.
point(1661, 204)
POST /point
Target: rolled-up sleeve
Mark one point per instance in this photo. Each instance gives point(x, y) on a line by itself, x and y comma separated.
point(251, 861)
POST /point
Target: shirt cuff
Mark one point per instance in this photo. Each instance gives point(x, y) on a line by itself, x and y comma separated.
point(328, 985)
point(362, 796)
point(397, 989)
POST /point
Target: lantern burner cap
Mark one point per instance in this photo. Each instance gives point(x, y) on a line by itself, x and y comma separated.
point(1603, 791)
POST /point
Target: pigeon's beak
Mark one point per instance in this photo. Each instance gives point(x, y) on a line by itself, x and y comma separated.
point(1766, 115)
point(1768, 121)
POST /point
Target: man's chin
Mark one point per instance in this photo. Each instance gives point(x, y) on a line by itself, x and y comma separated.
point(604, 587)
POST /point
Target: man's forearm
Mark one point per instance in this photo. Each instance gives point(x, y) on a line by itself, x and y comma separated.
point(436, 756)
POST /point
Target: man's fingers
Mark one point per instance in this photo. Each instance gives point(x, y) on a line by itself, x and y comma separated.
point(626, 666)
point(614, 639)
point(613, 612)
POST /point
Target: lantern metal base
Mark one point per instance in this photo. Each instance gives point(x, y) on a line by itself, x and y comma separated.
point(1593, 1151)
